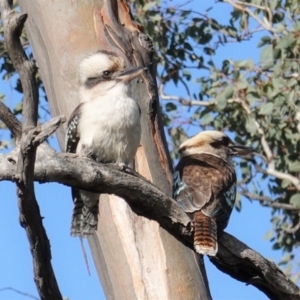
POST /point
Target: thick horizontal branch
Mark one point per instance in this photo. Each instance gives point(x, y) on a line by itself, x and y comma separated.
point(87, 174)
point(234, 257)
point(244, 264)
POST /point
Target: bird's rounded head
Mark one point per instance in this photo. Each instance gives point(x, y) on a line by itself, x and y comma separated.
point(215, 143)
point(100, 66)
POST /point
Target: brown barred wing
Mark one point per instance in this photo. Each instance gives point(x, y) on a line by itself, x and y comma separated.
point(193, 191)
point(223, 187)
point(192, 184)
point(204, 185)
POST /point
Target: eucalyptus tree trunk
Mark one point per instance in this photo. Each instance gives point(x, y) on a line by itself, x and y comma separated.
point(134, 257)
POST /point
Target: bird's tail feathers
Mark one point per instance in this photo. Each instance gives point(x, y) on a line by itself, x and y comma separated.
point(205, 234)
point(77, 214)
point(85, 217)
point(89, 220)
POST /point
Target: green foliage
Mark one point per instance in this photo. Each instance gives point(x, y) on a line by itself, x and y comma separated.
point(256, 99)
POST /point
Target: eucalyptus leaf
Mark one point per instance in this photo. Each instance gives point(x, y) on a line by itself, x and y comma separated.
point(266, 109)
point(266, 54)
point(295, 200)
point(294, 166)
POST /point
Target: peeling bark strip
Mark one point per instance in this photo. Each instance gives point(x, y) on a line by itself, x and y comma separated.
point(126, 36)
point(30, 138)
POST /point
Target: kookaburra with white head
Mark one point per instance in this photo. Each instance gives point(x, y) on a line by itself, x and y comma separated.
point(205, 185)
point(105, 126)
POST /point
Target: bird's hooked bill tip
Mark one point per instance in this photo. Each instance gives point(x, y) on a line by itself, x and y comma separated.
point(243, 150)
point(130, 74)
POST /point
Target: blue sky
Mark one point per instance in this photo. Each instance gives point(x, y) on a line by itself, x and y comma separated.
point(55, 202)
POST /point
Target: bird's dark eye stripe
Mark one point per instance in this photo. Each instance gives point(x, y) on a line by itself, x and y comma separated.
point(92, 81)
point(217, 144)
point(224, 141)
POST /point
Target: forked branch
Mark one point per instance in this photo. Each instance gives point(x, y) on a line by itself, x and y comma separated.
point(30, 138)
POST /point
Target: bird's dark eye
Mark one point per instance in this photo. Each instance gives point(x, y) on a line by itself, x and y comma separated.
point(225, 140)
point(106, 73)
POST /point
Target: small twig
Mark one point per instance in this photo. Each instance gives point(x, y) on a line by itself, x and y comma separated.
point(15, 127)
point(283, 176)
point(277, 174)
point(292, 230)
point(264, 8)
point(240, 6)
point(85, 255)
point(260, 130)
point(12, 123)
point(185, 86)
point(297, 117)
point(267, 201)
point(48, 128)
point(267, 150)
point(18, 292)
point(186, 102)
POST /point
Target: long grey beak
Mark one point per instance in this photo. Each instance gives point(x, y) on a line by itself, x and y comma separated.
point(130, 74)
point(242, 150)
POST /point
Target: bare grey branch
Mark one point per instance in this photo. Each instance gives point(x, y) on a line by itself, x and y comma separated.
point(233, 257)
point(30, 217)
point(267, 201)
point(10, 121)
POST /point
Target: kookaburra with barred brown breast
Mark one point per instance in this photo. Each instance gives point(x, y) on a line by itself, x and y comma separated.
point(105, 126)
point(205, 185)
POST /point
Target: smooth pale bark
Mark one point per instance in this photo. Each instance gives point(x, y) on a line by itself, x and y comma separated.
point(135, 258)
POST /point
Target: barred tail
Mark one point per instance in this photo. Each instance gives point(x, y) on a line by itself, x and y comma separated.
point(89, 220)
point(85, 213)
point(205, 234)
